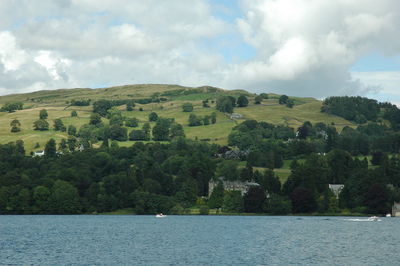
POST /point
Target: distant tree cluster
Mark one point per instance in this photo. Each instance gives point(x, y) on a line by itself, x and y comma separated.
point(80, 102)
point(357, 109)
point(12, 107)
point(195, 120)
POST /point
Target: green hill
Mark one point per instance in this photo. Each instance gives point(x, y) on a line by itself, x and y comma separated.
point(170, 99)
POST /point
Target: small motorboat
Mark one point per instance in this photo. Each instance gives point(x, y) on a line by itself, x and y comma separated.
point(160, 215)
point(373, 218)
point(388, 215)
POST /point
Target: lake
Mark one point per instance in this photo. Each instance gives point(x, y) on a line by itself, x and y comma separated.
point(197, 240)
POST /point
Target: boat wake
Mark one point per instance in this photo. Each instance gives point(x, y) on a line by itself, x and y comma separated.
point(370, 219)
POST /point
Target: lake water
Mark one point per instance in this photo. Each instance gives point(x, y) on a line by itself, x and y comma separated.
point(197, 240)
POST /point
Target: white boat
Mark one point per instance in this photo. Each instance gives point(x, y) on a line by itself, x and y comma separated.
point(388, 215)
point(373, 218)
point(160, 215)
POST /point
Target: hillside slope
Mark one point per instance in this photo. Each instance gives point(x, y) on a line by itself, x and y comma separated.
point(57, 104)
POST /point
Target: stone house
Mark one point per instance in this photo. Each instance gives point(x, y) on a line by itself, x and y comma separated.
point(237, 185)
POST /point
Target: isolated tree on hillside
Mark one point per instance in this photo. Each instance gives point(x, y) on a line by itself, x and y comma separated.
point(213, 117)
point(59, 125)
point(187, 107)
point(153, 116)
point(224, 104)
point(74, 113)
point(15, 125)
point(41, 125)
point(43, 114)
point(242, 101)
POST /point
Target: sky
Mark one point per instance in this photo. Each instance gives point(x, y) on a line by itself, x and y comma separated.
point(314, 48)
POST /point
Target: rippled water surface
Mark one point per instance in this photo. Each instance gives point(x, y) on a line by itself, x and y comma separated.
point(197, 240)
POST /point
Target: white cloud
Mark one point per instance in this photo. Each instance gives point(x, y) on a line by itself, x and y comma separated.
point(307, 47)
point(301, 47)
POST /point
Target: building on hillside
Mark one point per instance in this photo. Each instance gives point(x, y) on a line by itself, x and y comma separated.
point(38, 153)
point(236, 116)
point(396, 209)
point(237, 185)
point(336, 189)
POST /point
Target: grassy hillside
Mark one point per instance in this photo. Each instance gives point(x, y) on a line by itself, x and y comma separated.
point(57, 104)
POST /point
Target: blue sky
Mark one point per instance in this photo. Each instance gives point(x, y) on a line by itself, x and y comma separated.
point(298, 47)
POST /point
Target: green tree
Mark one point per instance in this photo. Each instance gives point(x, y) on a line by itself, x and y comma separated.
point(161, 131)
point(228, 170)
point(213, 118)
point(41, 125)
point(283, 99)
point(59, 125)
point(43, 114)
point(153, 117)
point(74, 113)
point(303, 200)
point(187, 107)
point(254, 199)
point(50, 148)
point(40, 197)
point(118, 133)
point(71, 130)
point(224, 104)
point(72, 143)
point(277, 205)
point(242, 101)
point(206, 120)
point(63, 145)
point(217, 196)
point(12, 107)
point(95, 119)
point(146, 129)
point(132, 122)
point(15, 125)
point(137, 135)
point(194, 120)
point(290, 103)
point(64, 198)
point(176, 131)
point(233, 202)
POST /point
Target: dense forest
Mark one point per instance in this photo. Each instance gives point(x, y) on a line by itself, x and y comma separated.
point(171, 174)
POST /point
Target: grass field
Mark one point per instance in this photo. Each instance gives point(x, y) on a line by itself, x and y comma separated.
point(55, 102)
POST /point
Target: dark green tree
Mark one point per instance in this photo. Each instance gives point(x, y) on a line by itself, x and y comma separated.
point(217, 196)
point(283, 99)
point(71, 130)
point(254, 199)
point(41, 125)
point(59, 125)
point(95, 119)
point(233, 202)
point(43, 114)
point(161, 131)
point(15, 126)
point(187, 107)
point(50, 148)
point(74, 113)
point(242, 101)
point(131, 122)
point(153, 117)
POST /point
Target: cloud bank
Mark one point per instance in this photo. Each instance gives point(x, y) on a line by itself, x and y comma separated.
point(301, 47)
